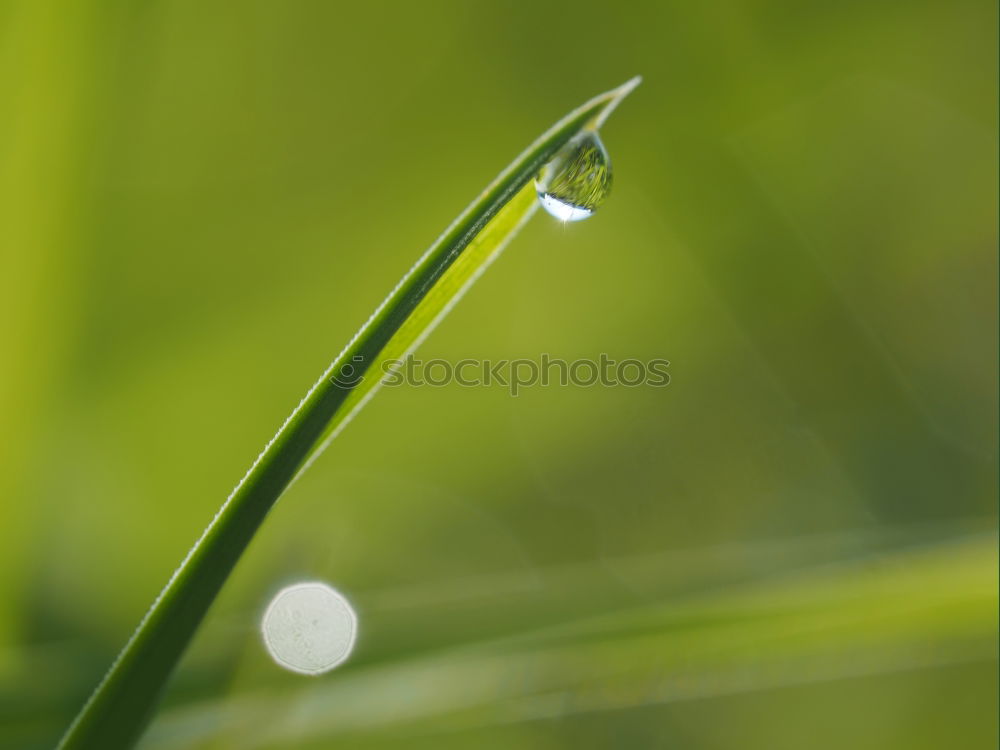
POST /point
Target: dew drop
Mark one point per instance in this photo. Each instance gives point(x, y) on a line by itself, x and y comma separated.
point(577, 180)
point(309, 628)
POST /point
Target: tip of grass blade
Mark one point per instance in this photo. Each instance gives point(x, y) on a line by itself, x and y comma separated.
point(627, 87)
point(613, 98)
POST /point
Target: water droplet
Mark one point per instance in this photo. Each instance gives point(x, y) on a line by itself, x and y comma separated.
point(577, 180)
point(309, 628)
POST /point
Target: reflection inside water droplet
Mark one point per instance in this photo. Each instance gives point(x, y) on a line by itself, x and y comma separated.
point(309, 628)
point(577, 179)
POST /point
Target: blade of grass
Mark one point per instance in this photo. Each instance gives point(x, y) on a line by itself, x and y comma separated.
point(917, 606)
point(123, 702)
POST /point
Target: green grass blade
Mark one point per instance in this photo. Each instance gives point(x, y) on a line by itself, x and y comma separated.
point(922, 606)
point(123, 702)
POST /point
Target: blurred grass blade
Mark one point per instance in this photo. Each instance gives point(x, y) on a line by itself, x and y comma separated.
point(920, 607)
point(116, 713)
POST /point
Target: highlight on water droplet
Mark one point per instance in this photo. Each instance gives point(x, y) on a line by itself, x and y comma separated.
point(309, 628)
point(577, 179)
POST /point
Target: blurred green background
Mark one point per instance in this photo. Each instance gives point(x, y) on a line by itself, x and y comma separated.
point(792, 545)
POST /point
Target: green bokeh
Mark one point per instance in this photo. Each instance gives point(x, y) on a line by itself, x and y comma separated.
point(791, 545)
